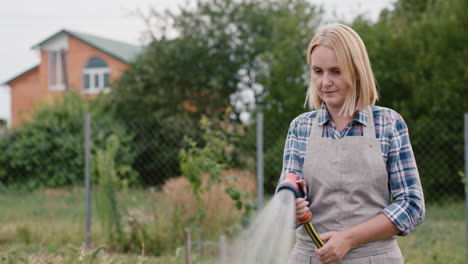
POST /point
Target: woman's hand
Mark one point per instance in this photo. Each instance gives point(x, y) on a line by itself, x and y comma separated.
point(302, 207)
point(340, 243)
point(335, 249)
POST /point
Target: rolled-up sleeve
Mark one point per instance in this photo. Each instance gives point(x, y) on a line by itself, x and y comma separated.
point(408, 209)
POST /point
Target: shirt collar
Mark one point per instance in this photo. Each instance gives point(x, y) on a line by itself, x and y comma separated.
point(323, 116)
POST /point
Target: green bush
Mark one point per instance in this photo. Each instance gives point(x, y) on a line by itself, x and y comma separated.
point(49, 150)
point(211, 159)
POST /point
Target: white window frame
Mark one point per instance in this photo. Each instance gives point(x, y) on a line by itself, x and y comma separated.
point(58, 84)
point(93, 87)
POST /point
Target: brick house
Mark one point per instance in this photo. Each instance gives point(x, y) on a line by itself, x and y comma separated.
point(69, 60)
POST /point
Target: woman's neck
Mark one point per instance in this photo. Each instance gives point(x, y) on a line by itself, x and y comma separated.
point(340, 121)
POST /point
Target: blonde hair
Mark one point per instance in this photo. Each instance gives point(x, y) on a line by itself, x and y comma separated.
point(354, 64)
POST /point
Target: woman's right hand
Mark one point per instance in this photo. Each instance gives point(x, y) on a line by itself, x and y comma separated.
point(302, 207)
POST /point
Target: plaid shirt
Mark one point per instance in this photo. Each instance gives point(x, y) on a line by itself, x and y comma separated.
point(407, 210)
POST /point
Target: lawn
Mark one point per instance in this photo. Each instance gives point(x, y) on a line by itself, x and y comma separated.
point(47, 226)
point(441, 239)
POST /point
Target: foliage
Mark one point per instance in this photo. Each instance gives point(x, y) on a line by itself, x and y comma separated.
point(417, 52)
point(408, 48)
point(209, 161)
point(440, 239)
point(222, 51)
point(49, 149)
point(278, 72)
point(434, 241)
point(108, 208)
point(73, 255)
point(122, 228)
point(203, 165)
point(152, 221)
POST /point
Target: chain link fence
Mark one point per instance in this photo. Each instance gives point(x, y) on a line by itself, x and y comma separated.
point(439, 159)
point(149, 153)
point(148, 158)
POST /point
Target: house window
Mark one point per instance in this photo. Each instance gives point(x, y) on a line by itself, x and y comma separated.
point(56, 70)
point(96, 76)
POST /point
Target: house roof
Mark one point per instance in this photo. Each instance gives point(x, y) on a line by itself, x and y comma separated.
point(20, 74)
point(120, 50)
point(117, 49)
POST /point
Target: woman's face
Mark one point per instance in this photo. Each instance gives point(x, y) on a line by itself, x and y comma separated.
point(328, 78)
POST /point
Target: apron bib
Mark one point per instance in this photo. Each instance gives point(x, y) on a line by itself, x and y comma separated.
point(348, 184)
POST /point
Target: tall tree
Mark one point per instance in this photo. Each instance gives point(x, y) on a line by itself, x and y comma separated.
point(221, 48)
point(418, 52)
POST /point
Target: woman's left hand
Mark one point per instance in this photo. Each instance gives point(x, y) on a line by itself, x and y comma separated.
point(338, 244)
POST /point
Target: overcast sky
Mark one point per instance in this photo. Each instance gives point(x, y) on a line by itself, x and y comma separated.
point(24, 23)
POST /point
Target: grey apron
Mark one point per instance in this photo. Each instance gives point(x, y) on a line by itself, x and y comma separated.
point(348, 184)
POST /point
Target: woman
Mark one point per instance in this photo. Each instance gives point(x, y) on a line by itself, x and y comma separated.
point(355, 159)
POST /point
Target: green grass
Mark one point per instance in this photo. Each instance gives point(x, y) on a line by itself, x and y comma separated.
point(49, 225)
point(48, 218)
point(440, 239)
point(33, 254)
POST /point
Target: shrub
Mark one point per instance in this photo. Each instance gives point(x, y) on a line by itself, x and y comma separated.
point(48, 150)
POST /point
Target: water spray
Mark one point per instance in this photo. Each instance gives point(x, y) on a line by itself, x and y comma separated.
point(290, 183)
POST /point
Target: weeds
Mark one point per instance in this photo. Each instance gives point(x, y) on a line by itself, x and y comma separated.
point(157, 217)
point(108, 209)
point(202, 167)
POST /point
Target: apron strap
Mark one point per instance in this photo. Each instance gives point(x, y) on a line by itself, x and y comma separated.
point(369, 130)
point(316, 129)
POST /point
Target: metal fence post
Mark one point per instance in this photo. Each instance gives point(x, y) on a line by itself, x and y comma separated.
point(87, 151)
point(187, 245)
point(259, 160)
point(466, 179)
point(222, 249)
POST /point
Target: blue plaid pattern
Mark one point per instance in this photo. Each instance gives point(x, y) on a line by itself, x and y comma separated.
point(407, 210)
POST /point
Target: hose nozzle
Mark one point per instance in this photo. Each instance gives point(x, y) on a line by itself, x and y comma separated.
point(290, 183)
